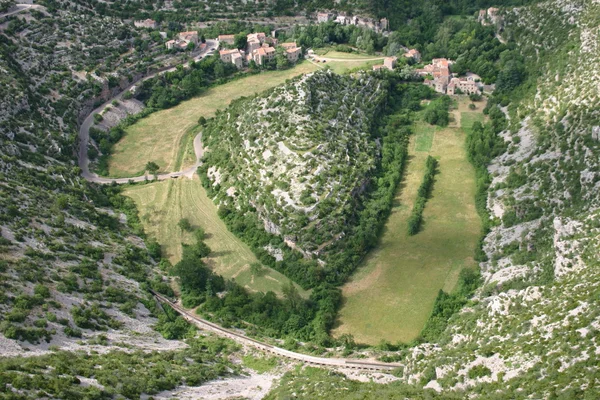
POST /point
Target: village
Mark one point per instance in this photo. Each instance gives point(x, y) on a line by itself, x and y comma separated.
point(260, 49)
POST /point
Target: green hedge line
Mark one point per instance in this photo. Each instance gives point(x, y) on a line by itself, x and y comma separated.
point(416, 217)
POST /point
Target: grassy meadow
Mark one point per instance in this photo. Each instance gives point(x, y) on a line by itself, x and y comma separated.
point(341, 67)
point(162, 204)
point(392, 294)
point(330, 53)
point(161, 136)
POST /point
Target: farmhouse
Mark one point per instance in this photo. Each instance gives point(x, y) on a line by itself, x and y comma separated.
point(229, 39)
point(236, 57)
point(324, 17)
point(293, 53)
point(465, 85)
point(182, 40)
point(263, 54)
point(191, 36)
point(176, 44)
point(388, 63)
point(146, 23)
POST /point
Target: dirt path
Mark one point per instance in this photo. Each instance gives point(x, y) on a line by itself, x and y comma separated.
point(370, 365)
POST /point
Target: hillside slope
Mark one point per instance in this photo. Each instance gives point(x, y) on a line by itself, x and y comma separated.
point(301, 155)
point(72, 269)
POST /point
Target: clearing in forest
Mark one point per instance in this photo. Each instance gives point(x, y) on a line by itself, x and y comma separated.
point(165, 136)
point(161, 206)
point(392, 293)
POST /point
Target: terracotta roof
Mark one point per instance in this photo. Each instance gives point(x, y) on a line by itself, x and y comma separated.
point(226, 37)
point(224, 52)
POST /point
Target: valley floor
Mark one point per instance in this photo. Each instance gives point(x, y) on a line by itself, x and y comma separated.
point(393, 292)
point(162, 204)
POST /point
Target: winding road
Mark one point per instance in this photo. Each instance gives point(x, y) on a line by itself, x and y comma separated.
point(84, 136)
point(371, 365)
point(21, 7)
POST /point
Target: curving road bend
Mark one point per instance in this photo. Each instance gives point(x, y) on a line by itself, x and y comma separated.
point(370, 365)
point(84, 135)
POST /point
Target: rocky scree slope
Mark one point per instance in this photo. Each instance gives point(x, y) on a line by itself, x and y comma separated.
point(301, 155)
point(72, 269)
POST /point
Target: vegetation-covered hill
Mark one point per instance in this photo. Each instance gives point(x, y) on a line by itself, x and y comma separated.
point(301, 155)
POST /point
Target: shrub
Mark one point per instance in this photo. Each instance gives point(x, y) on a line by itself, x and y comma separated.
point(185, 224)
point(479, 371)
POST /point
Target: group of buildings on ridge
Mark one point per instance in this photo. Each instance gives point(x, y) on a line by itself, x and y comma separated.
point(489, 16)
point(260, 48)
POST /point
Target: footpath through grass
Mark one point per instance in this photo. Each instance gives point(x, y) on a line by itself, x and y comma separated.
point(162, 204)
point(392, 294)
point(160, 136)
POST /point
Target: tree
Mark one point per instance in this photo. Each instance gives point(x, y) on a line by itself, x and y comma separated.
point(152, 167)
point(202, 121)
point(290, 292)
point(256, 269)
point(185, 225)
point(240, 41)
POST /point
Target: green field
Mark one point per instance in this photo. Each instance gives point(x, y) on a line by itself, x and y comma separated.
point(330, 53)
point(162, 204)
point(392, 294)
point(424, 134)
point(161, 136)
point(467, 118)
point(341, 67)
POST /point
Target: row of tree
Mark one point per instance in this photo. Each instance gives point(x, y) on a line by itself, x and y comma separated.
point(416, 217)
